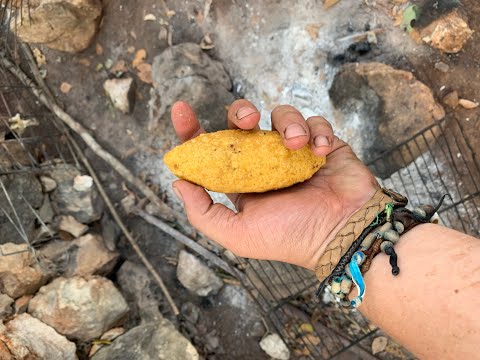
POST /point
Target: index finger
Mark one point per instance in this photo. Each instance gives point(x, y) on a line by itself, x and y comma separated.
point(185, 121)
point(242, 114)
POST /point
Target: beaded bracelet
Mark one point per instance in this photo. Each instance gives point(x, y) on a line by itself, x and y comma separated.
point(380, 236)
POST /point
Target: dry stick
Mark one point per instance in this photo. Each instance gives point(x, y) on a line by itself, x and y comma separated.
point(177, 235)
point(165, 211)
point(104, 195)
point(122, 226)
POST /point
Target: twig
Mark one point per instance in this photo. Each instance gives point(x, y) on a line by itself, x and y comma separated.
point(121, 224)
point(165, 211)
point(177, 235)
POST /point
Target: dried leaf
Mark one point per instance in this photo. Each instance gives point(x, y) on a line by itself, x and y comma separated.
point(140, 57)
point(39, 57)
point(84, 62)
point(207, 43)
point(131, 49)
point(329, 3)
point(149, 17)
point(306, 328)
point(312, 339)
point(98, 49)
point(467, 104)
point(312, 30)
point(65, 87)
point(119, 67)
point(19, 125)
point(145, 73)
point(170, 13)
point(379, 344)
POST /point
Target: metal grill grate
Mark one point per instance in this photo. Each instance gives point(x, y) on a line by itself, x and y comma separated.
point(436, 161)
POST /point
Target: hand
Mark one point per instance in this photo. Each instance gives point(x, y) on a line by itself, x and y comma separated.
point(292, 225)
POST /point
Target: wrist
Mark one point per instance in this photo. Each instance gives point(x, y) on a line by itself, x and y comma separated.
point(343, 209)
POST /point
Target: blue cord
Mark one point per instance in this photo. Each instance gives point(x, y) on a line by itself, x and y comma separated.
point(357, 278)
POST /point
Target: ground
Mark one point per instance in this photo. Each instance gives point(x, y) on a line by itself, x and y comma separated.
point(275, 52)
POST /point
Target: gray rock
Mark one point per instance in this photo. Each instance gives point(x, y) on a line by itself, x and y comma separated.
point(22, 189)
point(5, 306)
point(190, 312)
point(46, 211)
point(274, 346)
point(75, 194)
point(121, 92)
point(186, 72)
point(393, 103)
point(79, 308)
point(140, 291)
point(84, 256)
point(196, 276)
point(153, 341)
point(19, 272)
point(28, 338)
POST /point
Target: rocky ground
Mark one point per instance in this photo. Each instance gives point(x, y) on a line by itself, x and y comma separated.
point(84, 293)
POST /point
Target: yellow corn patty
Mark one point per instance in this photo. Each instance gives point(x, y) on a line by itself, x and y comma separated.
point(238, 161)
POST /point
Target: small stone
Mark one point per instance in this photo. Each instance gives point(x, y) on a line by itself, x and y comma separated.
point(121, 92)
point(75, 195)
point(19, 272)
point(69, 224)
point(151, 341)
point(79, 308)
point(196, 276)
point(274, 346)
point(65, 87)
point(448, 33)
point(211, 341)
point(46, 212)
point(385, 244)
point(419, 212)
point(442, 67)
point(468, 104)
point(368, 241)
point(21, 304)
point(48, 184)
point(379, 344)
point(257, 329)
point(451, 99)
point(399, 227)
point(346, 285)
point(190, 312)
point(391, 235)
point(385, 227)
point(5, 306)
point(82, 183)
point(28, 338)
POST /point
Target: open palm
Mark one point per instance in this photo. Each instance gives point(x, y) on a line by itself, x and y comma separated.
point(295, 224)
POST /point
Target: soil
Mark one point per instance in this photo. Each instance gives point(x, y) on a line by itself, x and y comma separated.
point(276, 52)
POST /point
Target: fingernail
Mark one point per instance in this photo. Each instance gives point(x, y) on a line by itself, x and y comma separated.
point(294, 130)
point(321, 140)
point(177, 192)
point(244, 112)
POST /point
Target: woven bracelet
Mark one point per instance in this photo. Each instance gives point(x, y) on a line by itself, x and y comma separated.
point(380, 235)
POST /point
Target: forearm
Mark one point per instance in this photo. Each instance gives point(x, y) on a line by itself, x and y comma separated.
point(432, 306)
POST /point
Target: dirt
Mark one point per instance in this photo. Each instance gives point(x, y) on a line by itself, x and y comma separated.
point(275, 52)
